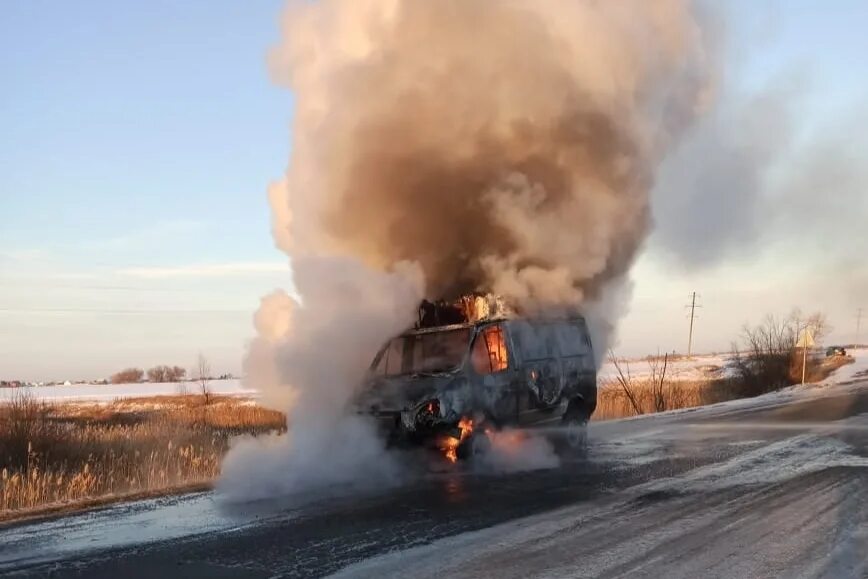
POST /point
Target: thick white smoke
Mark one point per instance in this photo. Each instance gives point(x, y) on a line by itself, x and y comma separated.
point(516, 450)
point(500, 145)
point(307, 360)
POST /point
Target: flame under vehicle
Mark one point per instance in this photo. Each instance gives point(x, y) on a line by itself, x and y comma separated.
point(472, 367)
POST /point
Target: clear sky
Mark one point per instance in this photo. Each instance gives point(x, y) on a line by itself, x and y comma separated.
point(138, 139)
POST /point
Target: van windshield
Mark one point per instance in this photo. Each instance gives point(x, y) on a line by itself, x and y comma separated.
point(427, 352)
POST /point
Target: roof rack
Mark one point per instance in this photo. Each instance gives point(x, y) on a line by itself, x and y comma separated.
point(468, 308)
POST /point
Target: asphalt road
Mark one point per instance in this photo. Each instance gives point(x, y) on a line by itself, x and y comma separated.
point(768, 489)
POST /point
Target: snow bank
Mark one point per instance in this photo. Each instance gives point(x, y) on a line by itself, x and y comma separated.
point(858, 370)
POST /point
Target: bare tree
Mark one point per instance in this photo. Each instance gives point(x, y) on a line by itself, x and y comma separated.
point(174, 373)
point(164, 373)
point(128, 376)
point(819, 326)
point(766, 359)
point(202, 375)
point(158, 374)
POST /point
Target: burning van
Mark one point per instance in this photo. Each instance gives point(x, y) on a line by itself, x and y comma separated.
point(473, 366)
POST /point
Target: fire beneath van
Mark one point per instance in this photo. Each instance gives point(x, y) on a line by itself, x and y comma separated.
point(449, 445)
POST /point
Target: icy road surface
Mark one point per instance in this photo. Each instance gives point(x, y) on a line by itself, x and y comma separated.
point(776, 486)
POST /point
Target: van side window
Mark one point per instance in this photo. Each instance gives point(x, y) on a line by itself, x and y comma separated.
point(573, 339)
point(536, 341)
point(489, 354)
point(391, 358)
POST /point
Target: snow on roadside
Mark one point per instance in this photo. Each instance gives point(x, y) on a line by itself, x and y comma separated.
point(775, 462)
point(112, 392)
point(858, 370)
point(700, 367)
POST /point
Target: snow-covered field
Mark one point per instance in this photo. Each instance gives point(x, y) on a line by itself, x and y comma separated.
point(111, 392)
point(699, 367)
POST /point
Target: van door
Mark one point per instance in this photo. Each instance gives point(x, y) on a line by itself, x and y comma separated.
point(494, 369)
point(577, 357)
point(541, 371)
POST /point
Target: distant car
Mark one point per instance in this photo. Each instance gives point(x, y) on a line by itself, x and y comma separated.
point(836, 351)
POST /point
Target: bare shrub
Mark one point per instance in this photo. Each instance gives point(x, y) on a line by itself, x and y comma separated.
point(765, 362)
point(769, 358)
point(128, 376)
point(626, 383)
point(203, 375)
point(24, 423)
point(658, 382)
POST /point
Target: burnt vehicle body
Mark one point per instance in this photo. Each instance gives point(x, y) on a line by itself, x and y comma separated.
point(497, 372)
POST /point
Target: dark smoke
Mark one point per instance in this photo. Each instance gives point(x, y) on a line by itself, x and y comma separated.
point(502, 145)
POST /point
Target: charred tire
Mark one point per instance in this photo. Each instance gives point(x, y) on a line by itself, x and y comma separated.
point(575, 427)
point(474, 446)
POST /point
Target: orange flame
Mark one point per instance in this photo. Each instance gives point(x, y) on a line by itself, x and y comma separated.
point(449, 444)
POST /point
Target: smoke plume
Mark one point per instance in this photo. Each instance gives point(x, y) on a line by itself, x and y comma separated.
point(502, 145)
point(497, 145)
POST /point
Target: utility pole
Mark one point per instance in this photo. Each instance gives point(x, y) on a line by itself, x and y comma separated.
point(692, 307)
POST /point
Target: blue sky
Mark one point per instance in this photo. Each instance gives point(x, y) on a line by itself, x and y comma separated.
point(138, 139)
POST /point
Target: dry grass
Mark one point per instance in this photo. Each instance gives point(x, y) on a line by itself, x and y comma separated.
point(613, 401)
point(67, 453)
point(818, 369)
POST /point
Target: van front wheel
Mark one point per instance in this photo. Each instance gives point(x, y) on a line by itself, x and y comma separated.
point(474, 447)
point(575, 426)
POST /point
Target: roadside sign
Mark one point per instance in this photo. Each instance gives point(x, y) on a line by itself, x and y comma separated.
point(806, 339)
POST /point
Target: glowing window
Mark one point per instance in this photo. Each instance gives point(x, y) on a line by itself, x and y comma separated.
point(489, 353)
